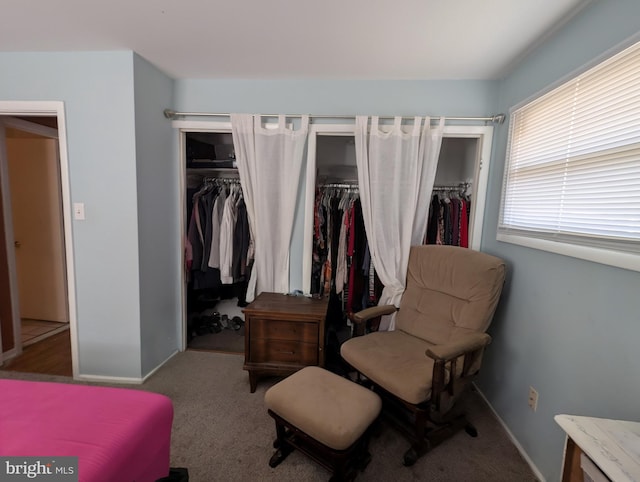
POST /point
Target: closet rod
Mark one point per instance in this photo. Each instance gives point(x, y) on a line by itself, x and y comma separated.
point(339, 185)
point(172, 114)
point(224, 180)
point(462, 185)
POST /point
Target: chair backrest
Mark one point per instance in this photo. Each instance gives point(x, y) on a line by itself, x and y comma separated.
point(450, 290)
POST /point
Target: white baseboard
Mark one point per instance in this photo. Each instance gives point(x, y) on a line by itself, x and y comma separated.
point(108, 379)
point(514, 440)
point(8, 355)
point(123, 380)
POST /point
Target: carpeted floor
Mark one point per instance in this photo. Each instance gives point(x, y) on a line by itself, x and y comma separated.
point(221, 432)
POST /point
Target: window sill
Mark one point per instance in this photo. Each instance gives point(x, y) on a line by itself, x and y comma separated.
point(618, 259)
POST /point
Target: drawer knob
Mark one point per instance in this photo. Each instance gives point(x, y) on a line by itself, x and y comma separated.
point(287, 352)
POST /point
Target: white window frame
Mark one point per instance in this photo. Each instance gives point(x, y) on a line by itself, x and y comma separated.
point(603, 255)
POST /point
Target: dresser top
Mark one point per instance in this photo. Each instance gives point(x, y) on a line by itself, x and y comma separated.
point(287, 304)
point(613, 445)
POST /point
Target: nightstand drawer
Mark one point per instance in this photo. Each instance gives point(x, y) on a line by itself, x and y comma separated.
point(284, 330)
point(283, 351)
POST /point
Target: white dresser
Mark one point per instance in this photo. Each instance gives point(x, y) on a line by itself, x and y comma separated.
point(599, 449)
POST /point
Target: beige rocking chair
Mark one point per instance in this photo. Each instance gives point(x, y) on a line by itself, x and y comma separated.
point(422, 367)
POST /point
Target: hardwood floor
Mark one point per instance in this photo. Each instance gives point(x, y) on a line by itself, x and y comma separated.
point(51, 356)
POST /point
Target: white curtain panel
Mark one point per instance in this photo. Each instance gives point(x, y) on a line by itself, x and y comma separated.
point(396, 171)
point(269, 164)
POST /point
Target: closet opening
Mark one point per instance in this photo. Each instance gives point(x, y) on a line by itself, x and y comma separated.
point(332, 203)
point(452, 199)
point(216, 241)
point(463, 173)
point(340, 261)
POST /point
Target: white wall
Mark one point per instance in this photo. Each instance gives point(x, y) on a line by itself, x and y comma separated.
point(568, 327)
point(457, 161)
point(336, 158)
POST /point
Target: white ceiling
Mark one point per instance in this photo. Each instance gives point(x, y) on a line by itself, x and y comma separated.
point(294, 39)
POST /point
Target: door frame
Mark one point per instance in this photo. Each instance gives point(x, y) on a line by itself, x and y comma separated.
point(182, 127)
point(51, 109)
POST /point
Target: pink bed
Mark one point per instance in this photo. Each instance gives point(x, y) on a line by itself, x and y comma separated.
point(117, 434)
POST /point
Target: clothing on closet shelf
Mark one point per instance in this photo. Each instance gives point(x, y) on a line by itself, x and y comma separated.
point(449, 212)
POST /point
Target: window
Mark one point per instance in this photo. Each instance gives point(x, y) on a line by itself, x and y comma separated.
point(572, 176)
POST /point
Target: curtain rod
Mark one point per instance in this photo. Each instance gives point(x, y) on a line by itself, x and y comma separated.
point(172, 114)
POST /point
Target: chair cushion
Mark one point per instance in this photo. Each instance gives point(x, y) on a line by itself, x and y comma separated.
point(331, 409)
point(450, 290)
point(394, 360)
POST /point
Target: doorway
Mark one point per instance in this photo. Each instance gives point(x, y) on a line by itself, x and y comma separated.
point(35, 287)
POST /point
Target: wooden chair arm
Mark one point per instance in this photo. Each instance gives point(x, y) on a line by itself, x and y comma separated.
point(466, 344)
point(369, 318)
point(443, 392)
point(373, 312)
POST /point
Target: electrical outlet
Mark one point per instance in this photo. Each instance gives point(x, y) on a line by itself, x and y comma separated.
point(533, 399)
point(78, 211)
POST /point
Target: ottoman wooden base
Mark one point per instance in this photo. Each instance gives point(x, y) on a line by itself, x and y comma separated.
point(344, 464)
point(324, 416)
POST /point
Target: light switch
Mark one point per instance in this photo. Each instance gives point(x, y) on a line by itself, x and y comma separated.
point(78, 211)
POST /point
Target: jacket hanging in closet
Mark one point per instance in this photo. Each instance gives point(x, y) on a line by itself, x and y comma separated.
point(217, 241)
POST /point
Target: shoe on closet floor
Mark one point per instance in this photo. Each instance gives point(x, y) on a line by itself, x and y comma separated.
point(235, 323)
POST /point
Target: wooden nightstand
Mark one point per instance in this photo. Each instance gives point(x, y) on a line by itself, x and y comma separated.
point(282, 335)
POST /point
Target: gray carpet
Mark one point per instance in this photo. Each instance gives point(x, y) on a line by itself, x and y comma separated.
point(221, 432)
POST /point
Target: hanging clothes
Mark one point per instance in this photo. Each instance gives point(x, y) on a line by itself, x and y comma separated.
point(216, 220)
point(217, 238)
point(448, 220)
point(339, 247)
point(227, 229)
point(199, 225)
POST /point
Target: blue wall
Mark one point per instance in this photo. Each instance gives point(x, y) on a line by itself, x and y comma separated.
point(158, 217)
point(97, 89)
point(376, 97)
point(570, 328)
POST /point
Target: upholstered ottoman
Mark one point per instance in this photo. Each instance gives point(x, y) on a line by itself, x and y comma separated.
point(326, 417)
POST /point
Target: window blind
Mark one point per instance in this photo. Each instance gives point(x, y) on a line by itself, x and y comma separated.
point(573, 160)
